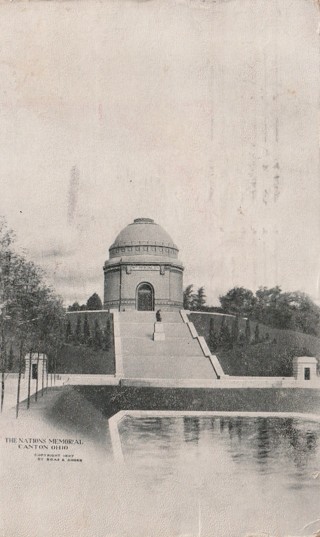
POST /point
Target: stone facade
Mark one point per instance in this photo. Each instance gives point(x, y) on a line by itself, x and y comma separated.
point(143, 271)
point(305, 368)
point(38, 364)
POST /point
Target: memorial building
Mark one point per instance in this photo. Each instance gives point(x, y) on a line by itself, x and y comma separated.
point(143, 271)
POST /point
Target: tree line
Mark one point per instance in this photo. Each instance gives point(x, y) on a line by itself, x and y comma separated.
point(93, 303)
point(237, 346)
point(226, 337)
point(271, 306)
point(31, 315)
point(293, 310)
point(194, 300)
point(82, 334)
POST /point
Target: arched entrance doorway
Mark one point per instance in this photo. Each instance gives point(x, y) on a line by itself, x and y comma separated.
point(145, 297)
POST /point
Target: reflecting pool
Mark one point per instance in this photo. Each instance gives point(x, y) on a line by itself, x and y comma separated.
point(219, 476)
point(192, 475)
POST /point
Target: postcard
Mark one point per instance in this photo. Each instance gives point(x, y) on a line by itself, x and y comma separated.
point(159, 268)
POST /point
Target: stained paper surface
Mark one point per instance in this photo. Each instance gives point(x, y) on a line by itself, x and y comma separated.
point(204, 116)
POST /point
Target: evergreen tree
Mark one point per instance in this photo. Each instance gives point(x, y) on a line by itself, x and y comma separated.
point(257, 333)
point(223, 322)
point(235, 330)
point(4, 367)
point(213, 337)
point(10, 358)
point(97, 335)
point(68, 335)
point(78, 333)
point(188, 297)
point(107, 336)
point(74, 307)
point(242, 340)
point(224, 335)
point(86, 331)
point(199, 299)
point(248, 332)
point(94, 302)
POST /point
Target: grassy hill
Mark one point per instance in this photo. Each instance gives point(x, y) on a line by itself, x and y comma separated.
point(81, 359)
point(77, 357)
point(271, 356)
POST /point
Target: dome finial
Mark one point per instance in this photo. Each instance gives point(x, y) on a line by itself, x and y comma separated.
point(143, 221)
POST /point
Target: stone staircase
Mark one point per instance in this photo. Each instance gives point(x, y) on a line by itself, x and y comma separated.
point(179, 356)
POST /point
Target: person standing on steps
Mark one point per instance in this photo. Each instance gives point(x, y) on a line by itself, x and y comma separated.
point(158, 334)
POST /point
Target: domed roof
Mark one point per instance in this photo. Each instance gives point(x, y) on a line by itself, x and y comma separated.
point(143, 231)
point(143, 242)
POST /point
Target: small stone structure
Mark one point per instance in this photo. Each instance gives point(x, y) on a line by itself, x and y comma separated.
point(305, 368)
point(158, 334)
point(38, 364)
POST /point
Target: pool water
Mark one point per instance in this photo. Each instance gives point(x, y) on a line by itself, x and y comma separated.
point(183, 476)
point(219, 476)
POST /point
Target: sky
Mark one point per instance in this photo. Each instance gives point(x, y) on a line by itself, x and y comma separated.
point(203, 115)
